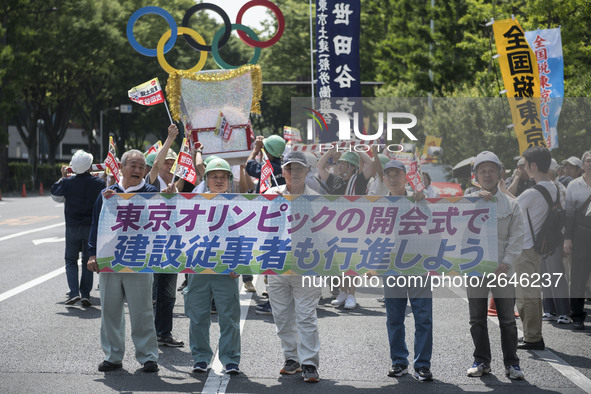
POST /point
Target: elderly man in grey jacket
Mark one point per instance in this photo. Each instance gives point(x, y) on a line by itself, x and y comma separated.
point(488, 169)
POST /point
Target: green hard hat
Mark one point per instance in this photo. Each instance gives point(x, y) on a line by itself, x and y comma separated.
point(216, 165)
point(351, 158)
point(383, 159)
point(274, 145)
point(150, 159)
point(210, 158)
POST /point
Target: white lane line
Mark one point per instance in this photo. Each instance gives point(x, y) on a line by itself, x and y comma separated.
point(7, 237)
point(32, 283)
point(47, 240)
point(217, 381)
point(569, 372)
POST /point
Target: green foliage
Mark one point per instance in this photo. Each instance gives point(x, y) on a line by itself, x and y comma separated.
point(63, 61)
point(19, 173)
point(48, 174)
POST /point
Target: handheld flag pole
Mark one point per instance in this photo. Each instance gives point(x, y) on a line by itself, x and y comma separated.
point(168, 112)
point(149, 93)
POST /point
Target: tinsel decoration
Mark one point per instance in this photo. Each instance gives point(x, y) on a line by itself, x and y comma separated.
point(174, 85)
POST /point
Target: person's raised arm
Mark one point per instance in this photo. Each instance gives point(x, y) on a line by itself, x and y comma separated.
point(256, 149)
point(377, 163)
point(515, 182)
point(198, 161)
point(369, 168)
point(173, 131)
point(322, 165)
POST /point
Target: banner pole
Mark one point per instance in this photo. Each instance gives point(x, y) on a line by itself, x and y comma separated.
point(168, 112)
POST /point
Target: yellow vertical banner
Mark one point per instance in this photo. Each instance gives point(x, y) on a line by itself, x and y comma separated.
point(431, 140)
point(519, 69)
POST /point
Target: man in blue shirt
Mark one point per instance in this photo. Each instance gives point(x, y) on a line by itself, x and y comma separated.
point(80, 193)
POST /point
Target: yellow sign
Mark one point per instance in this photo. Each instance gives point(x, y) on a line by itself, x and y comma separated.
point(431, 140)
point(519, 69)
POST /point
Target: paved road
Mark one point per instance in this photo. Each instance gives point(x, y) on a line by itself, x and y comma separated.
point(50, 348)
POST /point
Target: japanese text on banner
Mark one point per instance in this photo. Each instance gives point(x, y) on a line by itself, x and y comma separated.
point(522, 83)
point(302, 235)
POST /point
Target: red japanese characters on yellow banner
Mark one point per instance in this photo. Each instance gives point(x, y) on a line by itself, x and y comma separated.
point(519, 69)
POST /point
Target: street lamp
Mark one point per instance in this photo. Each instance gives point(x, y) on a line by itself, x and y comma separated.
point(40, 123)
point(123, 108)
point(101, 129)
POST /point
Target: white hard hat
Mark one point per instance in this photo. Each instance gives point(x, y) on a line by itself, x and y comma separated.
point(81, 162)
point(485, 156)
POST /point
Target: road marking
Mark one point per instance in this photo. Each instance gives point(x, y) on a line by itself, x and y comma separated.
point(24, 220)
point(217, 381)
point(47, 240)
point(7, 237)
point(569, 372)
point(32, 283)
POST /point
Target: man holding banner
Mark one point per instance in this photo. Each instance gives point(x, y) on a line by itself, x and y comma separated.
point(488, 170)
point(223, 289)
point(421, 302)
point(293, 304)
point(117, 288)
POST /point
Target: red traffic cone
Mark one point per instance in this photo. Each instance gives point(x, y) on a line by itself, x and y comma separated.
point(492, 307)
point(24, 193)
point(41, 193)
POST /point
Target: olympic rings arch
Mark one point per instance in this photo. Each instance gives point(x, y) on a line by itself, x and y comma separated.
point(196, 41)
point(215, 51)
point(184, 31)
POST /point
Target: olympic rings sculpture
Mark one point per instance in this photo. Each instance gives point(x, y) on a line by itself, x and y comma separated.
point(196, 41)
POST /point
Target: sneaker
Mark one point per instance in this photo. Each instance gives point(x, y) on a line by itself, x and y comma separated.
point(264, 309)
point(539, 345)
point(86, 302)
point(265, 294)
point(150, 366)
point(232, 369)
point(564, 319)
point(249, 287)
point(478, 369)
point(423, 374)
point(290, 368)
point(350, 302)
point(200, 367)
point(514, 372)
point(381, 299)
point(547, 316)
point(340, 300)
point(106, 366)
point(182, 286)
point(398, 370)
point(72, 300)
point(310, 374)
point(170, 341)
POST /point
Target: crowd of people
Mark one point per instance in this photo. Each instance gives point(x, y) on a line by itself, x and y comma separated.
point(521, 211)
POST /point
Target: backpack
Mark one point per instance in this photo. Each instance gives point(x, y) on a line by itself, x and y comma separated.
point(551, 235)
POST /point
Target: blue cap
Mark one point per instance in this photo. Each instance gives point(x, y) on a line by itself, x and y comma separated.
point(395, 164)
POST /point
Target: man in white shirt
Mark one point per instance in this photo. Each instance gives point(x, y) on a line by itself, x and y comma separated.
point(534, 208)
point(294, 305)
point(488, 170)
